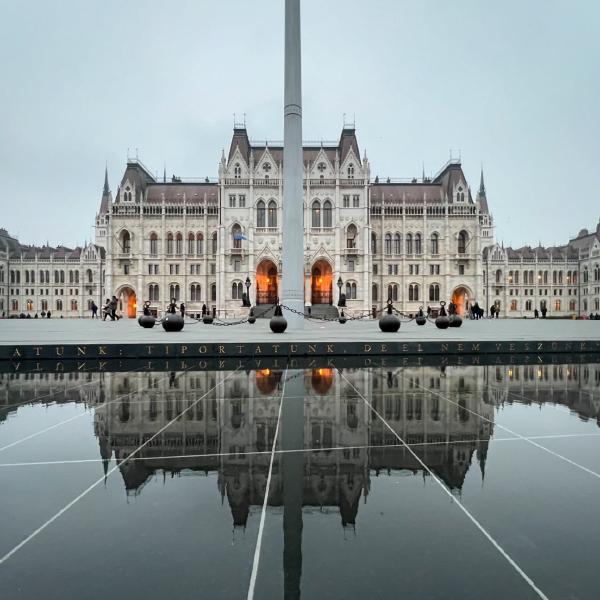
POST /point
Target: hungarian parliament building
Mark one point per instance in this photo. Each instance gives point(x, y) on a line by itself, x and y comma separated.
point(208, 242)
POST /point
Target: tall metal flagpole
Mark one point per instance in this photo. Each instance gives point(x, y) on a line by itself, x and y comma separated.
point(293, 170)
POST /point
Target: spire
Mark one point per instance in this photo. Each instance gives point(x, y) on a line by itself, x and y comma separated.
point(423, 173)
point(106, 190)
point(481, 184)
point(165, 172)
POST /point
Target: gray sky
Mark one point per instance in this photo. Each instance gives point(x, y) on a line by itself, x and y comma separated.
point(514, 85)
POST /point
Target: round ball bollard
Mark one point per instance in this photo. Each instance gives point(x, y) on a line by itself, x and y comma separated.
point(278, 324)
point(251, 317)
point(454, 321)
point(147, 321)
point(389, 323)
point(207, 319)
point(342, 319)
point(421, 319)
point(173, 322)
point(442, 321)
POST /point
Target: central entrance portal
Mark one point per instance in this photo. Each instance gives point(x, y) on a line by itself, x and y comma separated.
point(127, 302)
point(266, 283)
point(321, 283)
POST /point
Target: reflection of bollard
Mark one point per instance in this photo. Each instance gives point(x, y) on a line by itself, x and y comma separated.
point(207, 319)
point(454, 320)
point(278, 324)
point(173, 322)
point(342, 318)
point(421, 319)
point(251, 317)
point(442, 320)
point(147, 321)
point(389, 323)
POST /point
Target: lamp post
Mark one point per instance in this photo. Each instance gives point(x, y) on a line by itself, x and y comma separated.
point(340, 283)
point(248, 284)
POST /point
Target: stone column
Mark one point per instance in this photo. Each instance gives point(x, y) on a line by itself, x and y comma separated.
point(293, 225)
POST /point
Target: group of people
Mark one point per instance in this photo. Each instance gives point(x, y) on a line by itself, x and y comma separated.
point(109, 309)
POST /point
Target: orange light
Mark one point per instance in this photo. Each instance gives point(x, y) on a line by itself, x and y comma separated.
point(265, 372)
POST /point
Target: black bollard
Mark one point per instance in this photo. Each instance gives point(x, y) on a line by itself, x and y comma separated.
point(207, 319)
point(389, 323)
point(147, 321)
point(278, 324)
point(251, 317)
point(172, 322)
point(342, 318)
point(442, 321)
point(454, 320)
point(421, 319)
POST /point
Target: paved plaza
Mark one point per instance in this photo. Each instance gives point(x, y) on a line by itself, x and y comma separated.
point(127, 331)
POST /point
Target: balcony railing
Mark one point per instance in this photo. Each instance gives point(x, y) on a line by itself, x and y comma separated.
point(266, 182)
point(320, 182)
point(237, 181)
point(352, 182)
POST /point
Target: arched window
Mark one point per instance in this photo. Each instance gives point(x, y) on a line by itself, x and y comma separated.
point(516, 280)
point(409, 243)
point(195, 292)
point(316, 214)
point(237, 289)
point(434, 292)
point(374, 293)
point(498, 276)
point(153, 292)
point(513, 305)
point(435, 244)
point(373, 243)
point(29, 305)
point(191, 243)
point(418, 247)
point(170, 243)
point(237, 171)
point(56, 277)
point(574, 277)
point(413, 292)
point(89, 276)
point(153, 244)
point(236, 235)
point(178, 243)
point(350, 171)
point(214, 242)
point(327, 214)
point(73, 304)
point(585, 275)
point(199, 244)
point(272, 214)
point(174, 292)
point(62, 276)
point(554, 277)
point(59, 305)
point(397, 244)
point(125, 242)
point(350, 290)
point(213, 292)
point(76, 278)
point(351, 234)
point(462, 241)
point(27, 276)
point(260, 214)
point(388, 243)
point(393, 292)
point(572, 305)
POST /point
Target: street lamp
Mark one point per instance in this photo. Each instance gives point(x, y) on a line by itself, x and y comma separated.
point(248, 284)
point(340, 283)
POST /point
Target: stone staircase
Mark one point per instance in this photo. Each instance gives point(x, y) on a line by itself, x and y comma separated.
point(322, 311)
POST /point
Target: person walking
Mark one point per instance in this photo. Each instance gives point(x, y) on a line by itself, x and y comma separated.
point(172, 308)
point(536, 313)
point(182, 310)
point(113, 309)
point(492, 311)
point(105, 309)
point(94, 308)
point(204, 309)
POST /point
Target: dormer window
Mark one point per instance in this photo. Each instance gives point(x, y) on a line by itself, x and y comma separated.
point(350, 171)
point(237, 171)
point(127, 194)
point(460, 195)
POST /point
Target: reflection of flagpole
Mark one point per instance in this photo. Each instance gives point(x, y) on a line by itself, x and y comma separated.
point(292, 438)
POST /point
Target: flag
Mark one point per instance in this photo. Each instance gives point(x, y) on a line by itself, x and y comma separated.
point(239, 236)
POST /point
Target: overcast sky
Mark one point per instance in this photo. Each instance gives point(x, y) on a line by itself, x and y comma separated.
point(514, 85)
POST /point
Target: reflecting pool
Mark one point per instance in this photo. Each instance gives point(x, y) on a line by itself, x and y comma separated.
point(327, 481)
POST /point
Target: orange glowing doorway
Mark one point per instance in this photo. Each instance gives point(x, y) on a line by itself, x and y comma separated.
point(321, 283)
point(462, 298)
point(266, 282)
point(127, 302)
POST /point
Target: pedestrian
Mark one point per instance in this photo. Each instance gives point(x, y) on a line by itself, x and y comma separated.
point(36, 316)
point(536, 313)
point(105, 309)
point(497, 311)
point(94, 308)
point(48, 314)
point(204, 309)
point(182, 309)
point(172, 308)
point(146, 308)
point(544, 311)
point(113, 309)
point(492, 310)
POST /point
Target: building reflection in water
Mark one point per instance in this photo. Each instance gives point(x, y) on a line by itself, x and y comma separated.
point(230, 429)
